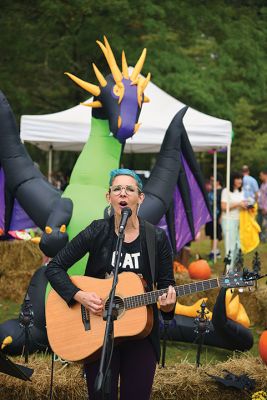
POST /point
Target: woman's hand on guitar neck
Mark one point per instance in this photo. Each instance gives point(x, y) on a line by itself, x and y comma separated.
point(168, 300)
point(90, 300)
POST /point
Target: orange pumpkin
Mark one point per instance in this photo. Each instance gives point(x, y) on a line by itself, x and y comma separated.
point(179, 268)
point(199, 269)
point(263, 346)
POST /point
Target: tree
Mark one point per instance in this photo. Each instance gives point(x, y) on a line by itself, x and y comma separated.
point(209, 55)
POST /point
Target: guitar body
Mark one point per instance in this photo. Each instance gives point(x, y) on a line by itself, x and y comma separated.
point(74, 333)
point(73, 338)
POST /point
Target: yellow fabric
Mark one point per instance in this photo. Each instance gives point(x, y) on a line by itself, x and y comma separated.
point(242, 316)
point(249, 230)
point(192, 311)
point(232, 308)
point(228, 296)
point(8, 340)
point(235, 310)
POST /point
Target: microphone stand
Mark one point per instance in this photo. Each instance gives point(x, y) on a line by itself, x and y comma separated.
point(202, 328)
point(165, 333)
point(103, 380)
point(26, 318)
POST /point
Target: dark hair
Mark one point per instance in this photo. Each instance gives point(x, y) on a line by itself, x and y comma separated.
point(235, 175)
point(220, 178)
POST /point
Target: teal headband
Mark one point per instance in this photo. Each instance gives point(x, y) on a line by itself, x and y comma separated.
point(124, 171)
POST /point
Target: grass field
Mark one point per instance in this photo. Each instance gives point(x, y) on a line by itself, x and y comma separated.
point(177, 351)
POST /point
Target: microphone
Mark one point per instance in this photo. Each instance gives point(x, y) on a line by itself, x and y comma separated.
point(125, 214)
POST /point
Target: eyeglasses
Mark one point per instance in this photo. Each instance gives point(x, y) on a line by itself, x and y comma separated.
point(129, 189)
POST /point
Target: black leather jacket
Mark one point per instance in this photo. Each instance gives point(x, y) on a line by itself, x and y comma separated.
point(96, 239)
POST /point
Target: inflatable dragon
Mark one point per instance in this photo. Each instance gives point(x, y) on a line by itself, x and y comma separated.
point(174, 194)
point(228, 327)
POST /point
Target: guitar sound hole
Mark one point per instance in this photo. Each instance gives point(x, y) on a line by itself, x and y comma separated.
point(119, 304)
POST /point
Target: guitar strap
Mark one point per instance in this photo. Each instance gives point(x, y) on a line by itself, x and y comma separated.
point(151, 248)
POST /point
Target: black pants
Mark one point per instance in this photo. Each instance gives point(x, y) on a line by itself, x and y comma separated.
point(134, 361)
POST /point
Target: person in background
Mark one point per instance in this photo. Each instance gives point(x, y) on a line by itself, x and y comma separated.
point(230, 226)
point(262, 206)
point(183, 256)
point(209, 225)
point(250, 186)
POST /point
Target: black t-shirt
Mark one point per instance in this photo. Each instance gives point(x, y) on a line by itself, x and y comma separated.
point(131, 259)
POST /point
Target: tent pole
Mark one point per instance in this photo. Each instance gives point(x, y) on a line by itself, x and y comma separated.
point(50, 162)
point(214, 247)
point(228, 167)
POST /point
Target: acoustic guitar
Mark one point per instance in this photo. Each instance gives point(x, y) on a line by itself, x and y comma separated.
point(75, 333)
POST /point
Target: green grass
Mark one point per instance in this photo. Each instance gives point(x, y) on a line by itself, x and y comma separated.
point(8, 310)
point(177, 352)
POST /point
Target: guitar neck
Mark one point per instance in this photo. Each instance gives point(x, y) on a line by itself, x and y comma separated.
point(148, 298)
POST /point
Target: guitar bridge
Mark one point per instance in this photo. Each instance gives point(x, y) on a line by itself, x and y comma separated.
point(85, 318)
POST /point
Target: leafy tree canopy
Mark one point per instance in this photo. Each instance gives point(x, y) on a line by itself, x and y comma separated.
point(210, 55)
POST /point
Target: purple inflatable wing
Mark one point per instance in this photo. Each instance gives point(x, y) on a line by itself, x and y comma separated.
point(190, 207)
point(199, 210)
point(12, 215)
point(20, 220)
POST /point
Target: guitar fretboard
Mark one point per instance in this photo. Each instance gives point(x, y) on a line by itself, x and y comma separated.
point(147, 298)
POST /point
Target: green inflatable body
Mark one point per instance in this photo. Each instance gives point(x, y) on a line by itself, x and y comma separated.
point(88, 182)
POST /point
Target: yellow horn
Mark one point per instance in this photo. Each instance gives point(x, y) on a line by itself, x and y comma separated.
point(139, 65)
point(146, 81)
point(102, 47)
point(142, 84)
point(63, 228)
point(7, 340)
point(99, 76)
point(119, 121)
point(93, 104)
point(139, 92)
point(93, 89)
point(137, 126)
point(36, 240)
point(135, 82)
point(117, 75)
point(124, 66)
point(48, 230)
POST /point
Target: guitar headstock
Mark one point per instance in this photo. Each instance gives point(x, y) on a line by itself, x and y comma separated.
point(238, 279)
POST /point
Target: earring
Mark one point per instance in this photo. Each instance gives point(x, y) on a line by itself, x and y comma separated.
point(138, 208)
point(109, 210)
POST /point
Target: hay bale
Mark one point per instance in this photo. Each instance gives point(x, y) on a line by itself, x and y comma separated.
point(261, 295)
point(68, 382)
point(185, 381)
point(180, 381)
point(18, 261)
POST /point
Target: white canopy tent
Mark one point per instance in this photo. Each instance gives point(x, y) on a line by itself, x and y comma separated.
point(70, 129)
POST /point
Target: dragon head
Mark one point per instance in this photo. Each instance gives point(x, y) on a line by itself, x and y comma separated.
point(118, 97)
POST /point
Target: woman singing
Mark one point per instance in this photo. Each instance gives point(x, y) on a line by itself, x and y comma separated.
point(134, 360)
